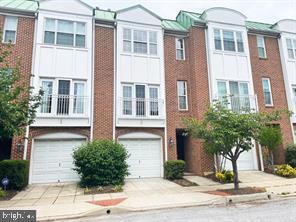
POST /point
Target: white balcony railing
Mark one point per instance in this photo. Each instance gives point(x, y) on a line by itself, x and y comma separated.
point(240, 103)
point(141, 108)
point(64, 106)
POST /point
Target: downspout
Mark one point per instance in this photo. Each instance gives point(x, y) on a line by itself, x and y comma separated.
point(164, 99)
point(114, 81)
point(31, 84)
point(92, 81)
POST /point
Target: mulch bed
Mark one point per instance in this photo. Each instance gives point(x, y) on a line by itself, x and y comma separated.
point(241, 191)
point(185, 183)
point(9, 194)
point(107, 203)
point(101, 190)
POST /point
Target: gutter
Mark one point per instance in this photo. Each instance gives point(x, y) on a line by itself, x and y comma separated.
point(260, 32)
point(18, 12)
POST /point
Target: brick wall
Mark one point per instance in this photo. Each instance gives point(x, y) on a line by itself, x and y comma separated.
point(103, 83)
point(194, 71)
point(271, 68)
point(21, 51)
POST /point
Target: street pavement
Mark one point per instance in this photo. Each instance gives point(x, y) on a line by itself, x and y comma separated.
point(271, 211)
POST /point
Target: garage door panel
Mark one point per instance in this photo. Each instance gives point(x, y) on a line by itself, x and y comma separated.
point(53, 162)
point(145, 157)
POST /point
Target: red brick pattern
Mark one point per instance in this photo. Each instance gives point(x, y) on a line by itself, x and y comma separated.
point(194, 71)
point(103, 83)
point(21, 51)
point(271, 68)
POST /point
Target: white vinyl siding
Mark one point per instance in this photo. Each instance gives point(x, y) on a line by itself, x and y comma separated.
point(10, 28)
point(267, 92)
point(261, 47)
point(227, 40)
point(65, 33)
point(180, 49)
point(182, 95)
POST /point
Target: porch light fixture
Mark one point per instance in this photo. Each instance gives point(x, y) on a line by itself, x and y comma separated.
point(19, 147)
point(171, 141)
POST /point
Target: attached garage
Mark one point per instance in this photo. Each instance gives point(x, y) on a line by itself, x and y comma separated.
point(145, 159)
point(52, 160)
point(246, 161)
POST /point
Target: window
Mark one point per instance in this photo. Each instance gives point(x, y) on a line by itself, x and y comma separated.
point(267, 92)
point(261, 47)
point(127, 100)
point(238, 96)
point(47, 86)
point(228, 41)
point(232, 41)
point(182, 95)
point(10, 28)
point(291, 46)
point(78, 106)
point(65, 33)
point(217, 37)
point(140, 42)
point(153, 43)
point(180, 52)
point(127, 40)
point(153, 95)
point(239, 42)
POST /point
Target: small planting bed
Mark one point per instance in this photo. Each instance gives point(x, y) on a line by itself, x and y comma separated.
point(184, 183)
point(103, 189)
point(214, 178)
point(241, 191)
point(7, 195)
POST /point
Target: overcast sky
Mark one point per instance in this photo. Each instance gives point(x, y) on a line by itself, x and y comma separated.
point(269, 11)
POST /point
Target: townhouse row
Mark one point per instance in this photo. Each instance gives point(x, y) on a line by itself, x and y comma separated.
point(132, 76)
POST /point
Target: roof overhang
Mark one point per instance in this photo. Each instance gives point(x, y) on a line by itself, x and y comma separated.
point(18, 12)
point(260, 32)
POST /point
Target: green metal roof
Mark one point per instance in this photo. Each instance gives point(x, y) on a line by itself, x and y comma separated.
point(173, 25)
point(20, 5)
point(105, 15)
point(187, 19)
point(260, 27)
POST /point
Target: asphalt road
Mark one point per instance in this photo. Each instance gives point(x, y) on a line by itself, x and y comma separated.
point(272, 211)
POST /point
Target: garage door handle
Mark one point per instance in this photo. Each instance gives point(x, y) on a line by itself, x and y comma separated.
point(60, 164)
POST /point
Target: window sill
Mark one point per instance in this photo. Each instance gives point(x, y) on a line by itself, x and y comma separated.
point(262, 58)
point(229, 52)
point(269, 106)
point(64, 46)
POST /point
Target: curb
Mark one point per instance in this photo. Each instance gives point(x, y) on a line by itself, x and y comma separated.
point(247, 198)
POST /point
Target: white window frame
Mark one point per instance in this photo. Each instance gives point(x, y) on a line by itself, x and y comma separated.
point(186, 95)
point(235, 40)
point(264, 47)
point(56, 33)
point(148, 43)
point(270, 91)
point(180, 49)
point(5, 29)
point(293, 44)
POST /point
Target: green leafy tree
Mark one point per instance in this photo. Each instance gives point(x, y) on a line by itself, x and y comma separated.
point(17, 103)
point(270, 137)
point(229, 133)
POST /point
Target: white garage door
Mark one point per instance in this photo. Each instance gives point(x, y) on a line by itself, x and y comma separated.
point(52, 161)
point(245, 161)
point(145, 157)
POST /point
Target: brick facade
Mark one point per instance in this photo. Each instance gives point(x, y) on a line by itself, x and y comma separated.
point(103, 83)
point(21, 51)
point(193, 70)
point(271, 68)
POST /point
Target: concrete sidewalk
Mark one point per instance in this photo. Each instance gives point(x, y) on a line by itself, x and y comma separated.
point(68, 201)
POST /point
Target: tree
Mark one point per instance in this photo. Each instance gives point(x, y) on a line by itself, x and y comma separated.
point(17, 103)
point(270, 137)
point(229, 133)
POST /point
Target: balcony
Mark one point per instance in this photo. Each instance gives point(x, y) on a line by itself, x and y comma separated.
point(140, 112)
point(240, 103)
point(63, 110)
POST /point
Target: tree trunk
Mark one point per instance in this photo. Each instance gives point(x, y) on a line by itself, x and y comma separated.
point(235, 173)
point(271, 157)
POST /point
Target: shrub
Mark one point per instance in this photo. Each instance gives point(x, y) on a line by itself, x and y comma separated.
point(101, 163)
point(17, 171)
point(174, 169)
point(285, 171)
point(225, 176)
point(2, 193)
point(291, 155)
